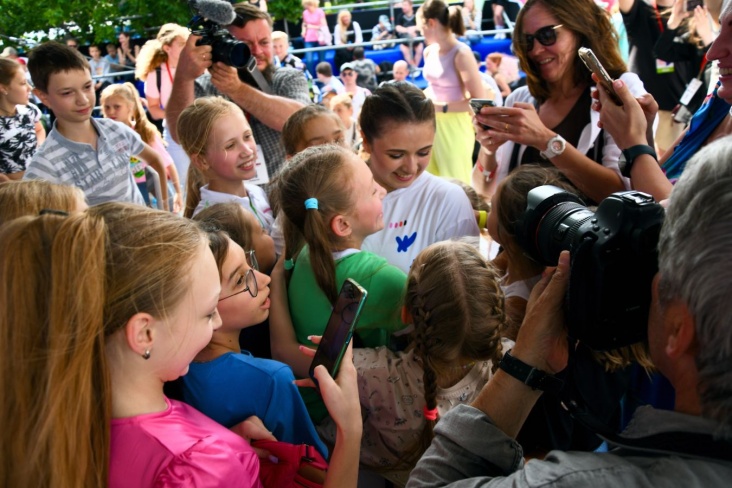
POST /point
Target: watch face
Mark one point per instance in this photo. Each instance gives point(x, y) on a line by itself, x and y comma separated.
point(556, 146)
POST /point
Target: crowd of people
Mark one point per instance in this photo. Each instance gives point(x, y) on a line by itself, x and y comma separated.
point(163, 334)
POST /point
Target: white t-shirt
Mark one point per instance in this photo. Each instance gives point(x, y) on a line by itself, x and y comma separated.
point(429, 210)
point(256, 203)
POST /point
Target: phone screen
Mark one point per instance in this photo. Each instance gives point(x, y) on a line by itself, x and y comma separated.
point(340, 327)
point(692, 4)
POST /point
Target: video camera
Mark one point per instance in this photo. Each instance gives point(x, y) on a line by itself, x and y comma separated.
point(613, 254)
point(209, 19)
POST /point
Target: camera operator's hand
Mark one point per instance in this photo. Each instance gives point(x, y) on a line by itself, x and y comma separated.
point(542, 338)
point(194, 60)
point(225, 79)
point(629, 124)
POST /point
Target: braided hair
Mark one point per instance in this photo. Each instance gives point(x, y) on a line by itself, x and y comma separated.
point(456, 303)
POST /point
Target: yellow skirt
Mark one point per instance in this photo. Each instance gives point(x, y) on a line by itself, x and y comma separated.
point(452, 152)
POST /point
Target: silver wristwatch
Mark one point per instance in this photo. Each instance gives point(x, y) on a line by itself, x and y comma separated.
point(554, 147)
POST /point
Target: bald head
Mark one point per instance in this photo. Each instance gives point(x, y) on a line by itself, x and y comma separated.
point(400, 70)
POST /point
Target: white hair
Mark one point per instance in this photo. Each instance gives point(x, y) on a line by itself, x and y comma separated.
point(695, 265)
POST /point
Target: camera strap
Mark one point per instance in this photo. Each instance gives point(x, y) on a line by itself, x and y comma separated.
point(685, 444)
point(251, 67)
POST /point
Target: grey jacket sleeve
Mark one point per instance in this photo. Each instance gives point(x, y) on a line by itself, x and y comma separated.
point(467, 451)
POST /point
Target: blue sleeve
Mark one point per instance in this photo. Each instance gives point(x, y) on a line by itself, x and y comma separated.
point(286, 415)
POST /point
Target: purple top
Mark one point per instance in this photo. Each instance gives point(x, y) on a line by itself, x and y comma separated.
point(439, 71)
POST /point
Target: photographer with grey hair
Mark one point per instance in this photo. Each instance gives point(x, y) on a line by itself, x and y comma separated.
point(690, 341)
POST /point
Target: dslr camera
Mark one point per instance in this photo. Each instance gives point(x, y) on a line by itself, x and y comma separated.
point(613, 259)
point(209, 19)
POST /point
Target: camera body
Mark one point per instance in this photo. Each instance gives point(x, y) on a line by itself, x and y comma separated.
point(614, 258)
point(224, 47)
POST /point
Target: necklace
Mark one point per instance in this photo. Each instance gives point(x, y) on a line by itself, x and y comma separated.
point(6, 113)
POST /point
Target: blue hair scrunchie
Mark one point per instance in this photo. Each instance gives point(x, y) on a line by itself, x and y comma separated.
point(311, 204)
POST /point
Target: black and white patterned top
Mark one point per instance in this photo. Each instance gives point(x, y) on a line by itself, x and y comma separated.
point(18, 141)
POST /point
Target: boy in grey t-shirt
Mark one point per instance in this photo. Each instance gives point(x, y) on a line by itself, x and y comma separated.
point(91, 154)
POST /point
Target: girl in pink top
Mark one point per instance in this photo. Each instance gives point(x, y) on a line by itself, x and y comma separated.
point(313, 22)
point(106, 306)
point(453, 76)
point(122, 103)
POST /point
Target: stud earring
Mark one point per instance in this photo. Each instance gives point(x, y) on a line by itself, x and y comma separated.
point(146, 355)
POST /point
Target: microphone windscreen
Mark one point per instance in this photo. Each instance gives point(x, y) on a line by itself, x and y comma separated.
point(217, 11)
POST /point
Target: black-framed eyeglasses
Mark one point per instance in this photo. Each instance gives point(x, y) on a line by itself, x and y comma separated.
point(252, 260)
point(251, 285)
point(348, 73)
point(547, 36)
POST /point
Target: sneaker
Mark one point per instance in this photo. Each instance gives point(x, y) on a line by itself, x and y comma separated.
point(500, 35)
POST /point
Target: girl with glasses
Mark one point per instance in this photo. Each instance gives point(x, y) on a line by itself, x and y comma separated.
point(550, 121)
point(227, 383)
point(244, 229)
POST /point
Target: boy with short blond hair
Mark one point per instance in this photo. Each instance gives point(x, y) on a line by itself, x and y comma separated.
point(91, 154)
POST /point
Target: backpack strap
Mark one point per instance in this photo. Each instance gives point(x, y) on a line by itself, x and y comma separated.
point(159, 83)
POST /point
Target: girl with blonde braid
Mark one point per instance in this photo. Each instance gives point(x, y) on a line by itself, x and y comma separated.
point(455, 305)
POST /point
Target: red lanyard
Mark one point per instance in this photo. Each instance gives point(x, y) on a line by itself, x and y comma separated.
point(170, 76)
point(658, 17)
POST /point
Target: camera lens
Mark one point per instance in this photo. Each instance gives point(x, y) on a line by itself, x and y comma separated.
point(231, 52)
point(552, 220)
point(558, 229)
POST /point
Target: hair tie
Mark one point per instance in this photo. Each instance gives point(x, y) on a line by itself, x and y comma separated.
point(311, 204)
point(430, 414)
point(289, 264)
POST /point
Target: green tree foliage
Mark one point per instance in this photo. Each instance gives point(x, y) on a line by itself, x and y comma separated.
point(285, 9)
point(87, 20)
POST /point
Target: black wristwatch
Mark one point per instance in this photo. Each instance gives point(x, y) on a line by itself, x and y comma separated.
point(530, 376)
point(628, 156)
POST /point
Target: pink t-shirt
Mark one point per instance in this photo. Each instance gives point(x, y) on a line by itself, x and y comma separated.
point(167, 75)
point(312, 18)
point(179, 447)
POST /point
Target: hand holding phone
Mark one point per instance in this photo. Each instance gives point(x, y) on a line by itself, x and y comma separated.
point(340, 327)
point(593, 64)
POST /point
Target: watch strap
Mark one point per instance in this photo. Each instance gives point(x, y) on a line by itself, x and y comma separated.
point(632, 153)
point(530, 376)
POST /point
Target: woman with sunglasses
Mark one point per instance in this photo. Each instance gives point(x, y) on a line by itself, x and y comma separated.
point(228, 384)
point(550, 120)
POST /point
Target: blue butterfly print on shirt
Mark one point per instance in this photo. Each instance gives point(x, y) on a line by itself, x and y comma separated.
point(404, 243)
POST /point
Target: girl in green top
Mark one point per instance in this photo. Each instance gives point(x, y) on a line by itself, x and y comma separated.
point(330, 203)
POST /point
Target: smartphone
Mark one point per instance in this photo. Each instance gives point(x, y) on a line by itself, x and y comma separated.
point(593, 64)
point(339, 330)
point(692, 4)
point(477, 103)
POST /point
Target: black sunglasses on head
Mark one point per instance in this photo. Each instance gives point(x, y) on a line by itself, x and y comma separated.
point(546, 36)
